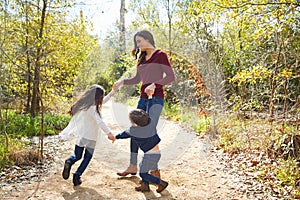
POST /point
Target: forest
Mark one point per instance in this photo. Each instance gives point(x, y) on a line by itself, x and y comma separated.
point(237, 65)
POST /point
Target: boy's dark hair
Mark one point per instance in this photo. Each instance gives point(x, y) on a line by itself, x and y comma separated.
point(139, 117)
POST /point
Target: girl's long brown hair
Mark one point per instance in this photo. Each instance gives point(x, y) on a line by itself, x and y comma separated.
point(136, 51)
point(93, 96)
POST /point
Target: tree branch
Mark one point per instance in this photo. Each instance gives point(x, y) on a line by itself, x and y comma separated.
point(257, 4)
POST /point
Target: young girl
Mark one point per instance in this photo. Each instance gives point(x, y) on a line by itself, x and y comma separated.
point(85, 123)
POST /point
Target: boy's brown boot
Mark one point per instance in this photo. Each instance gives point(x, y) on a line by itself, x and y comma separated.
point(161, 186)
point(143, 187)
point(155, 173)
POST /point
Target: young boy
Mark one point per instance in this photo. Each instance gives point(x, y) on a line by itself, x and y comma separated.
point(143, 133)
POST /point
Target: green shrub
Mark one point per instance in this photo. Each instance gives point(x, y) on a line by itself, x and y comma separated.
point(22, 125)
point(172, 111)
point(288, 172)
point(13, 154)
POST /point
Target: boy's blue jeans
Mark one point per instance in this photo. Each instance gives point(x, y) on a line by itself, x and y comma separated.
point(149, 162)
point(88, 154)
point(154, 108)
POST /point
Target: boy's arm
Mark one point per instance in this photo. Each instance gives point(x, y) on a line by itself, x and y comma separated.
point(123, 135)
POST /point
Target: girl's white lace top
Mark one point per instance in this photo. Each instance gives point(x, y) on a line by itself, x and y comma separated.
point(86, 125)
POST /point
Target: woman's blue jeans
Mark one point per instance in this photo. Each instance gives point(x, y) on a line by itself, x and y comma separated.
point(88, 154)
point(154, 108)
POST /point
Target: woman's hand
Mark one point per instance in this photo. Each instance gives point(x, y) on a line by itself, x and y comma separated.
point(149, 90)
point(118, 84)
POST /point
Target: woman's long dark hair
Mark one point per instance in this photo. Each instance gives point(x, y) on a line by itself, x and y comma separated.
point(136, 51)
point(93, 96)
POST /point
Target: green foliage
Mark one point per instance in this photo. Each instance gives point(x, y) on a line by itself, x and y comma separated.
point(23, 125)
point(288, 172)
point(18, 153)
point(172, 111)
point(4, 160)
point(56, 49)
point(230, 142)
point(274, 142)
point(287, 143)
point(188, 83)
point(191, 117)
point(148, 12)
point(256, 75)
point(123, 66)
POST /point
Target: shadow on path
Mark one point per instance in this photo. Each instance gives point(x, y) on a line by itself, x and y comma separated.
point(83, 193)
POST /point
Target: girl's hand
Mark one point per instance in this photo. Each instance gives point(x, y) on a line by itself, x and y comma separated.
point(111, 137)
point(117, 85)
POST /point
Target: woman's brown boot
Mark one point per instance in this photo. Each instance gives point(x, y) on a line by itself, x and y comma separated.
point(132, 170)
point(161, 186)
point(143, 187)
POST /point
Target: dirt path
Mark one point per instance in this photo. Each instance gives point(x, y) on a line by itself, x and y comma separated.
point(187, 163)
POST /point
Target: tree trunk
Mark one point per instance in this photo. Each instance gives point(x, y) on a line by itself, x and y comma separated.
point(36, 82)
point(2, 121)
point(170, 26)
point(273, 82)
point(29, 74)
point(43, 131)
point(2, 39)
point(122, 28)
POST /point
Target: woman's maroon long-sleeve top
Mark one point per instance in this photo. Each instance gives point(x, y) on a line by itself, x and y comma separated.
point(156, 70)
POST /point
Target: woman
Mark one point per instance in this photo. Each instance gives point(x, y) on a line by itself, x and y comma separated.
point(154, 71)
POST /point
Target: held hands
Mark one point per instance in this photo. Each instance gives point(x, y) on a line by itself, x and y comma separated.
point(118, 84)
point(149, 90)
point(111, 137)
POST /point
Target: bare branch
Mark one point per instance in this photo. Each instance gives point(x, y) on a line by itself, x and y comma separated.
point(258, 4)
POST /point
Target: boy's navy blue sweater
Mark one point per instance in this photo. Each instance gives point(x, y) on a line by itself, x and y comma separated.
point(145, 137)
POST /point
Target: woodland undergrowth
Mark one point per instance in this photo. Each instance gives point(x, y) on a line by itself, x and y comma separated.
point(267, 151)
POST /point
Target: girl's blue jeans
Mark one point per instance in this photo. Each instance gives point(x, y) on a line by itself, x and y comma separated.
point(88, 154)
point(148, 163)
point(154, 108)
